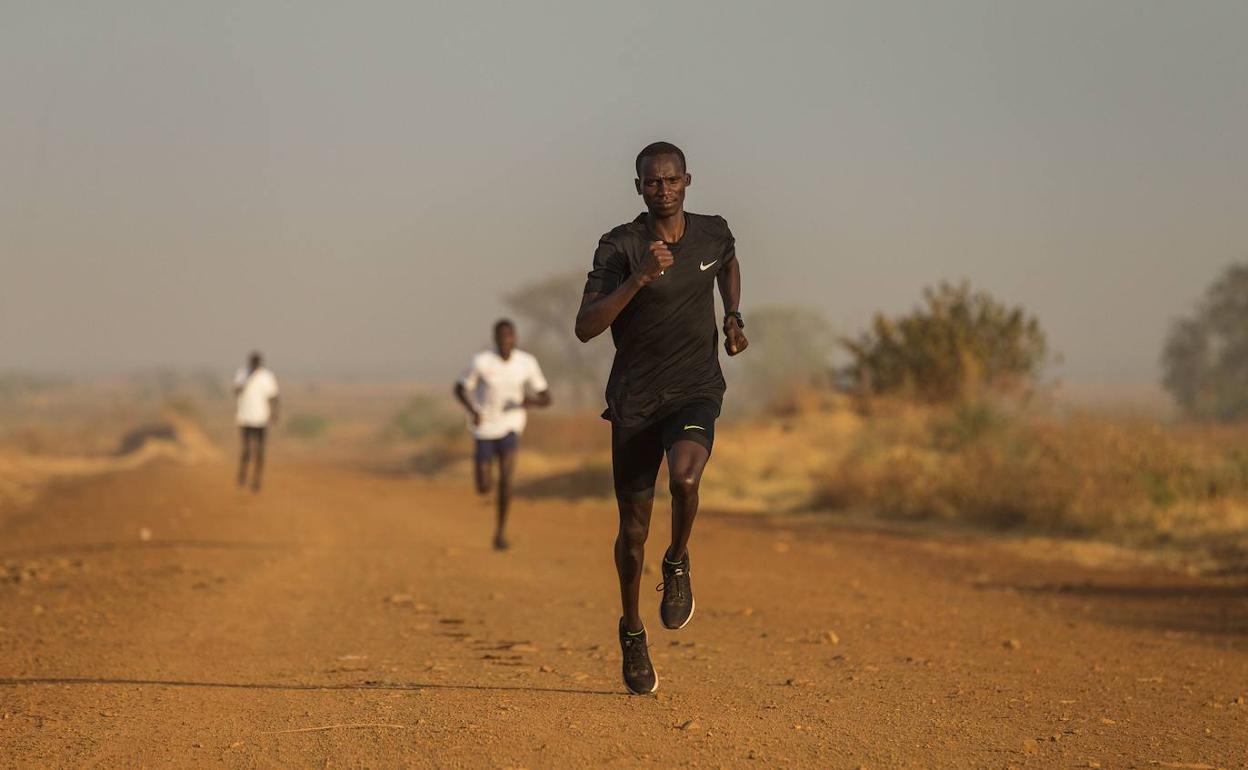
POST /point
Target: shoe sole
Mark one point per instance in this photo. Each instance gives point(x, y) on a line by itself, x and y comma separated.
point(692, 608)
point(640, 692)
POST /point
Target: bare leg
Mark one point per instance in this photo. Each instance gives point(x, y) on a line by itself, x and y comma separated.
point(259, 467)
point(630, 555)
point(685, 462)
point(244, 456)
point(507, 467)
point(483, 476)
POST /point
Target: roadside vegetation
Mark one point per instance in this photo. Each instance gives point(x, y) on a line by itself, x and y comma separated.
point(954, 423)
point(944, 414)
point(1129, 479)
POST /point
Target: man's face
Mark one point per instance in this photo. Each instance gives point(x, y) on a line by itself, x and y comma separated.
point(662, 184)
point(505, 339)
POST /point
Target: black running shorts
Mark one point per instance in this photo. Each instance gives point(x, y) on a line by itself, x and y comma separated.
point(637, 452)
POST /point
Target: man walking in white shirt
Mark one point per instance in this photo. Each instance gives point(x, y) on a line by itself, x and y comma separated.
point(255, 388)
point(496, 389)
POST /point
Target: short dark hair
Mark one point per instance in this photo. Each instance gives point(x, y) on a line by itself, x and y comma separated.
point(660, 148)
point(500, 323)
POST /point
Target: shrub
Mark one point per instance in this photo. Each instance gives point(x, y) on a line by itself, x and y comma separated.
point(307, 426)
point(423, 415)
point(959, 342)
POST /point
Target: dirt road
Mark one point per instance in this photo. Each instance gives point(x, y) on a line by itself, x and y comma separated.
point(160, 618)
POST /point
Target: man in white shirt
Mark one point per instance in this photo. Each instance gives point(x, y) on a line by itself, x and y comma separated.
point(496, 389)
point(255, 388)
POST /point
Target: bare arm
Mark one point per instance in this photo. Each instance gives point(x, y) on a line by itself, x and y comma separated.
point(539, 400)
point(729, 279)
point(462, 395)
point(599, 311)
point(273, 408)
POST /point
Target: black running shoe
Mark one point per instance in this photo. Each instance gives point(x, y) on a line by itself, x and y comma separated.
point(677, 606)
point(639, 675)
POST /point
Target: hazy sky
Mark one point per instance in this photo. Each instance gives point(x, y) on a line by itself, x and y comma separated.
point(354, 185)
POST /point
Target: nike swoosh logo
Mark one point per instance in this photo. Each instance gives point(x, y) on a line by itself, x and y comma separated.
point(706, 265)
point(694, 427)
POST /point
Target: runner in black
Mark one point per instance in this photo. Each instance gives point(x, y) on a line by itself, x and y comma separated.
point(652, 283)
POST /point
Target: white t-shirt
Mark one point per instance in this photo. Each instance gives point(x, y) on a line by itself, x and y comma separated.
point(497, 388)
point(253, 399)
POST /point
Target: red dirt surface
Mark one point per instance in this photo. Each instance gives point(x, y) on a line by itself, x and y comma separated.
point(161, 618)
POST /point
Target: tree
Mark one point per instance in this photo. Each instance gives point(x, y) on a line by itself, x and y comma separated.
point(957, 342)
point(1205, 358)
point(548, 309)
point(790, 347)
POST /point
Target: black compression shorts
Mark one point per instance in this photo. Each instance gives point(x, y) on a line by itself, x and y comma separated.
point(637, 453)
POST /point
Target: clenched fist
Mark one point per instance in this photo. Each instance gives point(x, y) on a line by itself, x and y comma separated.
point(734, 336)
point(658, 260)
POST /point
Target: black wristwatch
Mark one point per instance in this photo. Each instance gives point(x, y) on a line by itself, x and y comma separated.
point(736, 315)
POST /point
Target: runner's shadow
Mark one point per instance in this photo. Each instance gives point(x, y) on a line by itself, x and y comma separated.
point(1206, 609)
point(71, 548)
point(1125, 591)
point(587, 481)
point(289, 686)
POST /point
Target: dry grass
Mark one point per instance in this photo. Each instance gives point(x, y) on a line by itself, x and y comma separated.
point(1131, 480)
point(1122, 479)
point(1112, 477)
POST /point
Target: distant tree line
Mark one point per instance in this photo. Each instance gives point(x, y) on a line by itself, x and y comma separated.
point(1205, 358)
point(958, 343)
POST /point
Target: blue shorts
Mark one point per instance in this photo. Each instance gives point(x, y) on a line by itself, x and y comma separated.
point(489, 448)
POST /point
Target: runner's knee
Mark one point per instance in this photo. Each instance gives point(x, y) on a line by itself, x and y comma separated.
point(684, 485)
point(633, 531)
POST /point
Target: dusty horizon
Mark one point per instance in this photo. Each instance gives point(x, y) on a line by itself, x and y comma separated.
point(354, 192)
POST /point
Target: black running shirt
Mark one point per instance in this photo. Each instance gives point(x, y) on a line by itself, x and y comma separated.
point(666, 338)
